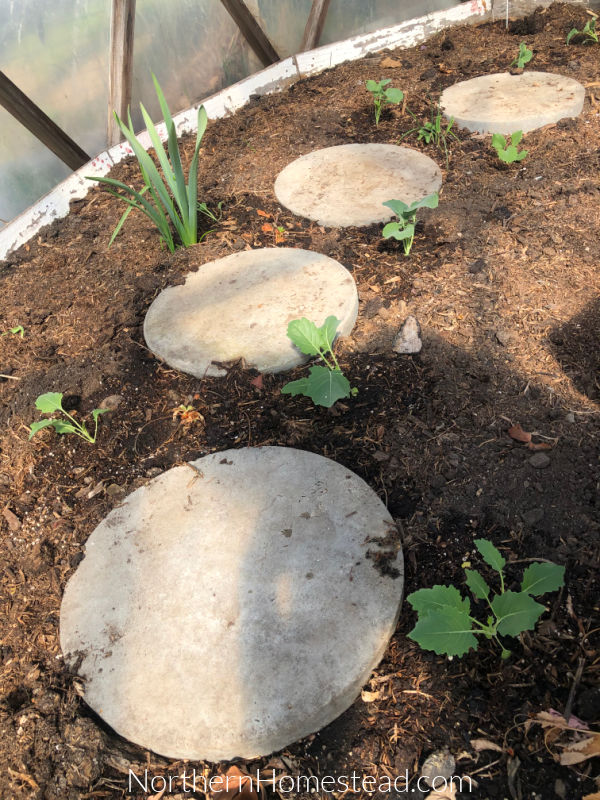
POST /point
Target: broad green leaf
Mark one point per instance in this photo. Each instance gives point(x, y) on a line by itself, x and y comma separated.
point(372, 86)
point(542, 577)
point(328, 331)
point(97, 411)
point(446, 631)
point(326, 386)
point(306, 336)
point(498, 141)
point(397, 206)
point(398, 231)
point(49, 402)
point(490, 554)
point(431, 201)
point(64, 427)
point(37, 426)
point(516, 612)
point(477, 584)
point(516, 137)
point(296, 387)
point(426, 600)
point(394, 95)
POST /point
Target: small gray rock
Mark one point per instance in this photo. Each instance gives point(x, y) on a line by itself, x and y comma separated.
point(439, 765)
point(503, 337)
point(408, 338)
point(112, 401)
point(570, 417)
point(114, 490)
point(539, 461)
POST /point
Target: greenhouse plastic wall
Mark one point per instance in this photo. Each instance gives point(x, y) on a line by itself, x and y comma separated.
point(57, 53)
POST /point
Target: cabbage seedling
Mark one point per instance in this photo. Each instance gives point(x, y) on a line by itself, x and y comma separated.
point(52, 401)
point(589, 32)
point(165, 198)
point(445, 624)
point(383, 95)
point(327, 384)
point(509, 153)
point(524, 57)
point(403, 228)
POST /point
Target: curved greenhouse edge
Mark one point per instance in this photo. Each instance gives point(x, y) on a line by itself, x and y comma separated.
point(55, 204)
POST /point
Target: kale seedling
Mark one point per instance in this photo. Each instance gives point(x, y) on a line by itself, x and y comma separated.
point(524, 57)
point(18, 330)
point(589, 32)
point(509, 153)
point(52, 401)
point(381, 95)
point(403, 228)
point(327, 384)
point(445, 624)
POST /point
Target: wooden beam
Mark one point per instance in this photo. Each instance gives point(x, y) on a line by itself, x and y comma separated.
point(33, 118)
point(252, 32)
point(120, 65)
point(314, 25)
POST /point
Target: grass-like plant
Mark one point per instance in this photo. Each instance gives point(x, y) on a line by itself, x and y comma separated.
point(403, 229)
point(324, 385)
point(382, 95)
point(166, 199)
point(524, 56)
point(18, 330)
point(509, 153)
point(445, 624)
point(588, 33)
point(433, 131)
point(52, 401)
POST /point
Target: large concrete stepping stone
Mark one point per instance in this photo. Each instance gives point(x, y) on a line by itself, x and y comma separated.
point(346, 185)
point(235, 604)
point(505, 103)
point(239, 307)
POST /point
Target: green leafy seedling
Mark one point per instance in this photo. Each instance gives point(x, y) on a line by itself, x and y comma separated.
point(18, 330)
point(383, 95)
point(166, 199)
point(403, 228)
point(444, 621)
point(509, 153)
point(524, 56)
point(324, 384)
point(51, 402)
point(589, 32)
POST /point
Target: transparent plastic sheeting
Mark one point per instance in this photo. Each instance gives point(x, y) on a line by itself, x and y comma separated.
point(57, 53)
point(284, 20)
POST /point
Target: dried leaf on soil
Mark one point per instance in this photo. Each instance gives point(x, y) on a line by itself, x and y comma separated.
point(538, 445)
point(517, 433)
point(237, 785)
point(484, 744)
point(576, 752)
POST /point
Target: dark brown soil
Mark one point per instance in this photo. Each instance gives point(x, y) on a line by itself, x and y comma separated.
point(504, 279)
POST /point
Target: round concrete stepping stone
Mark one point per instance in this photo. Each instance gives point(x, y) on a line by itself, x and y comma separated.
point(239, 307)
point(346, 185)
point(234, 605)
point(505, 103)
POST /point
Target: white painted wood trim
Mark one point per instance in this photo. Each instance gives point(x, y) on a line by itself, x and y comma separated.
point(277, 77)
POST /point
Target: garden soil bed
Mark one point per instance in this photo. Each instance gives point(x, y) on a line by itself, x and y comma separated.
point(504, 278)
